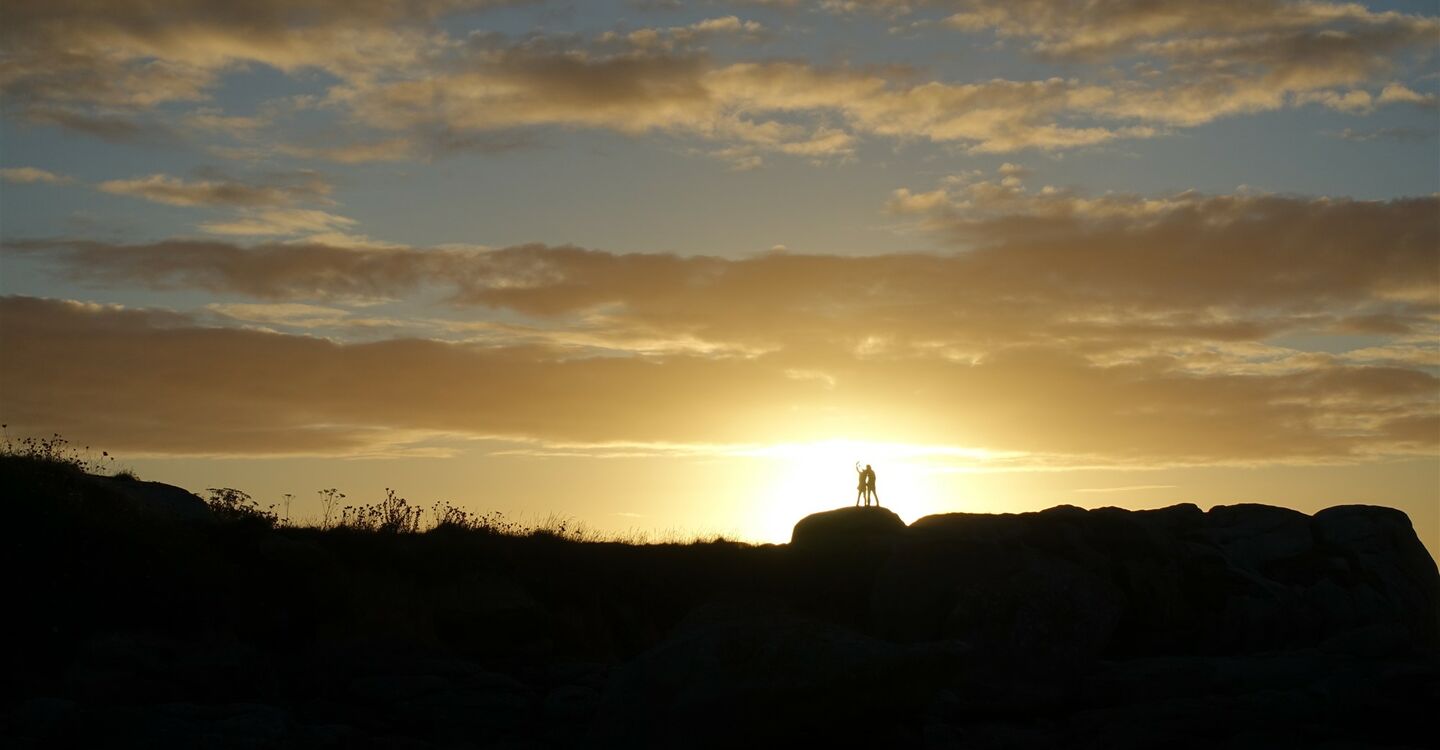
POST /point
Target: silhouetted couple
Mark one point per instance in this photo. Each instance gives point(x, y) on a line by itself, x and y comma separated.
point(866, 489)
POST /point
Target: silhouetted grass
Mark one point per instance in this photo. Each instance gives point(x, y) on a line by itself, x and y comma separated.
point(92, 561)
point(55, 453)
point(233, 506)
point(381, 576)
point(393, 514)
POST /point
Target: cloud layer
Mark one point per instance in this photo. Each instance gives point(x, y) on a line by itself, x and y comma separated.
point(1185, 254)
point(1068, 329)
point(406, 87)
point(148, 381)
point(1057, 327)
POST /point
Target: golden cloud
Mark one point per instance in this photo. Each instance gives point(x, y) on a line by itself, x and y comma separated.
point(282, 190)
point(1112, 329)
point(32, 175)
point(94, 68)
point(159, 382)
point(91, 64)
point(1178, 27)
point(1035, 263)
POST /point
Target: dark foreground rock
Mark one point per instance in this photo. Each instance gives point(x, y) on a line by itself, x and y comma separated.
point(156, 498)
point(848, 529)
point(1068, 585)
point(776, 679)
point(1243, 626)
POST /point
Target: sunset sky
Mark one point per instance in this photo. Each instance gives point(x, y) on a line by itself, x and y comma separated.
point(676, 266)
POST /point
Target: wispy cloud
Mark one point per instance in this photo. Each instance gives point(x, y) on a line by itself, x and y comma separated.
point(1398, 135)
point(413, 90)
point(1181, 29)
point(282, 190)
point(668, 38)
point(32, 175)
point(280, 221)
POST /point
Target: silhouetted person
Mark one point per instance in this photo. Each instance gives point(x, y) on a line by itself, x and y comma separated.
point(861, 485)
point(868, 479)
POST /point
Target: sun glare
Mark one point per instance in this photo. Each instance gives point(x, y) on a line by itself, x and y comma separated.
point(812, 477)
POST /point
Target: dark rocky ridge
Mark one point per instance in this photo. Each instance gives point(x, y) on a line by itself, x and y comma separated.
point(145, 623)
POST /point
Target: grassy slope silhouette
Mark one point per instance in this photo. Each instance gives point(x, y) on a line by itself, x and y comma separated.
point(139, 622)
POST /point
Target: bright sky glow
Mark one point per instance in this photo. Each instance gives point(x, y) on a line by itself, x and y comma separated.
point(677, 266)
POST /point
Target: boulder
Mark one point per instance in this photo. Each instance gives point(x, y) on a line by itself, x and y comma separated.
point(1254, 537)
point(1064, 586)
point(1396, 577)
point(1019, 591)
point(847, 529)
point(157, 499)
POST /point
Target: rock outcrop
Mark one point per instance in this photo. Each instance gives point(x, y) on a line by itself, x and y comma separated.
point(1243, 626)
point(157, 499)
point(1067, 586)
point(847, 529)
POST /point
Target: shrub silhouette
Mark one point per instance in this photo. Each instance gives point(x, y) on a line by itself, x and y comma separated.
point(230, 504)
point(57, 453)
point(447, 517)
point(329, 498)
point(55, 462)
point(393, 515)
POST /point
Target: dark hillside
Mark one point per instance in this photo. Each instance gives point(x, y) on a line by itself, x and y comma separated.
point(142, 619)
